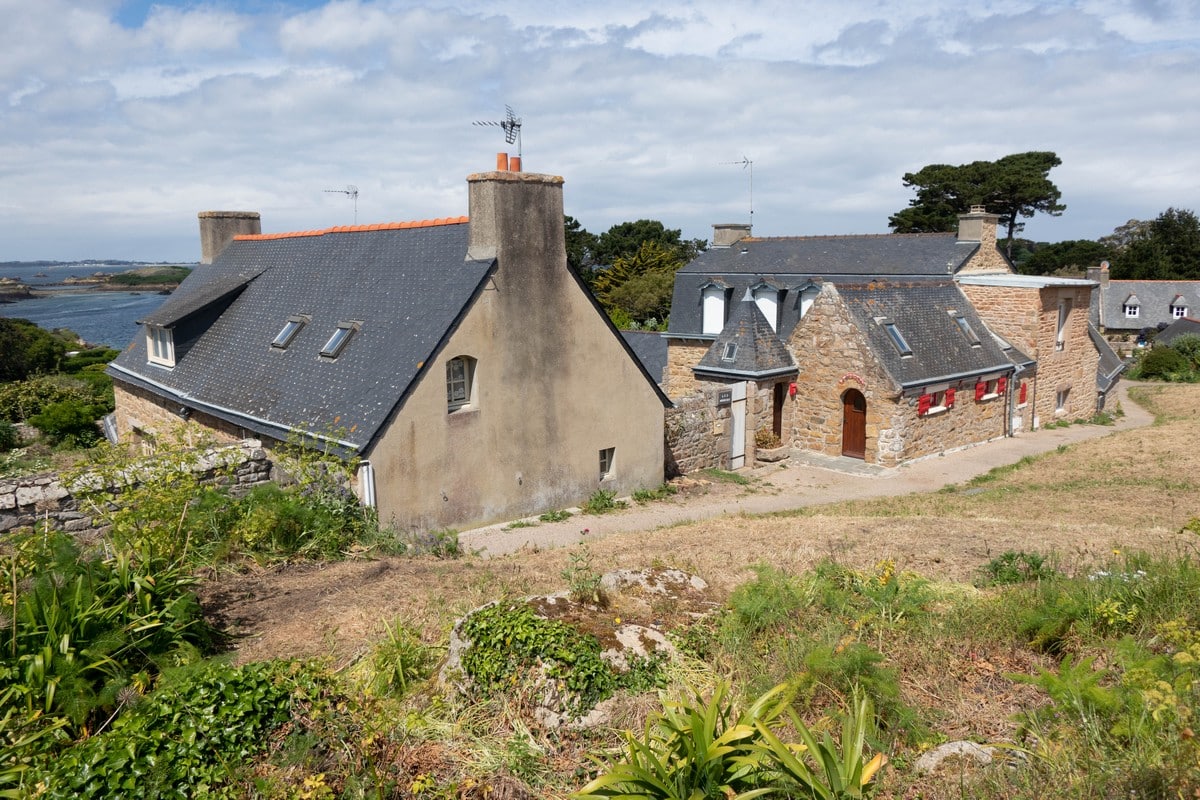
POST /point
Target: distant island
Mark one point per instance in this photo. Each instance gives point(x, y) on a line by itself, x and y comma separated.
point(147, 278)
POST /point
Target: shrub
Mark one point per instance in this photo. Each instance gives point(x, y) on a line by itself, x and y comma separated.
point(69, 422)
point(1162, 363)
point(1016, 567)
point(23, 399)
point(1188, 346)
point(766, 439)
point(9, 438)
point(602, 501)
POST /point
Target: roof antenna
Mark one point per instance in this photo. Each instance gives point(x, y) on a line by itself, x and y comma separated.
point(350, 191)
point(747, 164)
point(511, 125)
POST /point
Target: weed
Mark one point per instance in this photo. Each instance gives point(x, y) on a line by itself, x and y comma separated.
point(602, 501)
point(520, 523)
point(1016, 567)
point(583, 582)
point(557, 515)
point(661, 493)
point(725, 476)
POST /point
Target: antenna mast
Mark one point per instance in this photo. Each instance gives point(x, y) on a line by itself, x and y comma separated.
point(350, 191)
point(747, 164)
point(511, 125)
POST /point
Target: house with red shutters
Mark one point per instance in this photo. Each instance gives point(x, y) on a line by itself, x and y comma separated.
point(882, 348)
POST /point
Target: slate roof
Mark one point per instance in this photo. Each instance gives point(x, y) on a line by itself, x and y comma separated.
point(404, 287)
point(1178, 328)
point(1110, 366)
point(747, 347)
point(941, 350)
point(651, 350)
point(1153, 298)
point(795, 262)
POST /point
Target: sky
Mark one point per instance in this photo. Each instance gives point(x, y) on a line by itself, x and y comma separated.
point(121, 119)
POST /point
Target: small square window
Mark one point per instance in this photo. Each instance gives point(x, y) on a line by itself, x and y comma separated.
point(1178, 312)
point(1132, 312)
point(606, 462)
point(338, 341)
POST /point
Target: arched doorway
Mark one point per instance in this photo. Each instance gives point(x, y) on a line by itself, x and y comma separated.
point(854, 424)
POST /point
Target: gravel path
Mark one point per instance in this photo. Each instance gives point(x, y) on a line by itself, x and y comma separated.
point(805, 480)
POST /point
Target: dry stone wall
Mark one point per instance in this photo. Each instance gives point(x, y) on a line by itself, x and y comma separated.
point(45, 500)
point(682, 356)
point(697, 431)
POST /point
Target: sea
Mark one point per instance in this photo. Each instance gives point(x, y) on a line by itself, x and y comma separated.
point(99, 317)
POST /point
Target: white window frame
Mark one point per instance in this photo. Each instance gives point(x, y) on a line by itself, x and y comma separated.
point(1132, 311)
point(160, 346)
point(1178, 312)
point(767, 300)
point(1064, 314)
point(607, 461)
point(460, 384)
point(729, 352)
point(712, 299)
point(1062, 400)
point(338, 340)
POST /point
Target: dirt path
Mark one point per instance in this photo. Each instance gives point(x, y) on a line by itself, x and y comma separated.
point(339, 609)
point(805, 481)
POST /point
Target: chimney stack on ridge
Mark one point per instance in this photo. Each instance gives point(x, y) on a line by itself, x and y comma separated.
point(217, 229)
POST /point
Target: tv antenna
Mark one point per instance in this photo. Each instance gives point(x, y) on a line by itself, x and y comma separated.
point(747, 164)
point(511, 125)
point(350, 191)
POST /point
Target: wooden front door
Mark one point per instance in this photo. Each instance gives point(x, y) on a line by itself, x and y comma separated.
point(854, 424)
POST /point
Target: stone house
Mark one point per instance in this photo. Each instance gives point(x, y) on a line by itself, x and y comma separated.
point(460, 359)
point(882, 348)
point(1123, 309)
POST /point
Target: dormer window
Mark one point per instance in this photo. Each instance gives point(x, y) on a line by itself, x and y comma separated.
point(767, 299)
point(1131, 311)
point(967, 330)
point(160, 346)
point(1178, 307)
point(338, 341)
point(712, 297)
point(290, 329)
point(897, 338)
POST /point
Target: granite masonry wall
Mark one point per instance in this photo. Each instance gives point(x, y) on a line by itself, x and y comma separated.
point(697, 431)
point(682, 356)
point(44, 500)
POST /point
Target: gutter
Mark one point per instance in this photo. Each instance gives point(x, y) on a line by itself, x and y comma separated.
point(184, 397)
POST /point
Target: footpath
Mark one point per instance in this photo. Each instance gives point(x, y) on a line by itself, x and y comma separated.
point(805, 479)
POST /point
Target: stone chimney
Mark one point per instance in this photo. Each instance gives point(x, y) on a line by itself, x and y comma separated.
point(727, 234)
point(1099, 274)
point(515, 215)
point(978, 226)
point(217, 229)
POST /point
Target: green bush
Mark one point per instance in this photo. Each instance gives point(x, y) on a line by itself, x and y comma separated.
point(9, 438)
point(1162, 363)
point(1016, 567)
point(23, 399)
point(69, 422)
point(27, 349)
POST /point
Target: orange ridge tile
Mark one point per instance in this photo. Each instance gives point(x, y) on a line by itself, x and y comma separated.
point(378, 226)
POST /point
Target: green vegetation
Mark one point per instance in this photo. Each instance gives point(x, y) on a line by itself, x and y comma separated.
point(650, 495)
point(1166, 248)
point(1178, 362)
point(1017, 567)
point(725, 476)
point(557, 515)
point(602, 501)
point(150, 276)
point(28, 349)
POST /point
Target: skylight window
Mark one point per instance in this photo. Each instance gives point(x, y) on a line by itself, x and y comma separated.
point(730, 353)
point(290, 329)
point(967, 330)
point(897, 338)
point(337, 342)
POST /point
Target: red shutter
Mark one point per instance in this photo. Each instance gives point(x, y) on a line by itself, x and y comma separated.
point(1024, 392)
point(1001, 385)
point(923, 404)
point(980, 391)
point(950, 398)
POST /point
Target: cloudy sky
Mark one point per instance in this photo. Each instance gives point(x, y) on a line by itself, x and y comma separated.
point(119, 120)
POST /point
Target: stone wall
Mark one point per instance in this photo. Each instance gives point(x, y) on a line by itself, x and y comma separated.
point(682, 356)
point(43, 499)
point(697, 432)
point(142, 415)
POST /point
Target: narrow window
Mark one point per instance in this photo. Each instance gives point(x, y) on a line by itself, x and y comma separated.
point(160, 346)
point(337, 342)
point(290, 329)
point(606, 462)
point(767, 300)
point(713, 298)
point(730, 352)
point(897, 338)
point(967, 330)
point(1064, 312)
point(460, 374)
point(1060, 401)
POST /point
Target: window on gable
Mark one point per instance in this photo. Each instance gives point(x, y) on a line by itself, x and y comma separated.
point(897, 338)
point(160, 346)
point(967, 330)
point(606, 462)
point(730, 352)
point(289, 331)
point(338, 341)
point(1131, 312)
point(460, 379)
